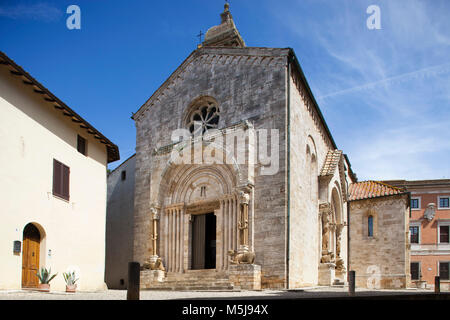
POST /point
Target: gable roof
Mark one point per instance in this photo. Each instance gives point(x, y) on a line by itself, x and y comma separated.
point(27, 79)
point(372, 189)
point(248, 52)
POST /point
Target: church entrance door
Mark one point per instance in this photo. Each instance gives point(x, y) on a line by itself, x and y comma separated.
point(204, 241)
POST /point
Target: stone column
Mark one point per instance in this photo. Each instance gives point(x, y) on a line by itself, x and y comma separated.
point(326, 266)
point(154, 262)
point(244, 199)
point(325, 214)
point(340, 267)
point(155, 219)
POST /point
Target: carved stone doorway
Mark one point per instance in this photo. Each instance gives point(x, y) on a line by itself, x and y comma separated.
point(204, 241)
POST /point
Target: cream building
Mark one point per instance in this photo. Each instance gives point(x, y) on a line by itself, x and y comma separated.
point(53, 190)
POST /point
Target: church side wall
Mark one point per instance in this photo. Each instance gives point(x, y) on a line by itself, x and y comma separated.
point(245, 87)
point(304, 206)
point(119, 224)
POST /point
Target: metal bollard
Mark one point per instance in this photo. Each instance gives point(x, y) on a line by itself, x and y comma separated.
point(437, 284)
point(134, 271)
point(351, 282)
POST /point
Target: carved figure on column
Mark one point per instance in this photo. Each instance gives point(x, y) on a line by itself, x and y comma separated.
point(325, 211)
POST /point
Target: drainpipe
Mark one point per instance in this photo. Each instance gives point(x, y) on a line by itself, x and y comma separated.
point(288, 189)
point(348, 237)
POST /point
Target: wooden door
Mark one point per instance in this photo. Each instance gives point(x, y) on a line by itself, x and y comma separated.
point(198, 242)
point(30, 256)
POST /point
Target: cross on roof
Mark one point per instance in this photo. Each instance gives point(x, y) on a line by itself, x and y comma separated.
point(200, 37)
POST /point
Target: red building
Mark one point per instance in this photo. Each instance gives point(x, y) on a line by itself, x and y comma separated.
point(429, 230)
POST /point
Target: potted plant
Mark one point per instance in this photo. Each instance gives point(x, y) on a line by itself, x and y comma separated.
point(70, 279)
point(45, 277)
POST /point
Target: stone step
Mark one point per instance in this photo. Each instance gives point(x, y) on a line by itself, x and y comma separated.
point(196, 288)
point(192, 280)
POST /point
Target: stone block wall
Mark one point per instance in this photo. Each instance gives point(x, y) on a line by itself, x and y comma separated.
point(248, 83)
point(381, 261)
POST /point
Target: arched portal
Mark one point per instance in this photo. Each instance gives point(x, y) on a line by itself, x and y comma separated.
point(199, 216)
point(30, 256)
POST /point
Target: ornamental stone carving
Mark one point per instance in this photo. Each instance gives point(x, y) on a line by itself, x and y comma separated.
point(244, 257)
point(325, 213)
point(154, 263)
point(430, 211)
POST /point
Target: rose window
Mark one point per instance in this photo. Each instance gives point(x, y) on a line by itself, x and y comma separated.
point(203, 118)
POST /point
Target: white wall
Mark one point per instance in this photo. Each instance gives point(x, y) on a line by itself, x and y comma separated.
point(32, 134)
point(120, 224)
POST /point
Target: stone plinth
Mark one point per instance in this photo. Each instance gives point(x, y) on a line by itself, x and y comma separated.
point(245, 276)
point(326, 274)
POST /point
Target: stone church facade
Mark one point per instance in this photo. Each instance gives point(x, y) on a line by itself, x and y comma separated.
point(288, 220)
point(238, 181)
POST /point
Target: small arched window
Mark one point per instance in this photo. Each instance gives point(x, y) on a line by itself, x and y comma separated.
point(370, 226)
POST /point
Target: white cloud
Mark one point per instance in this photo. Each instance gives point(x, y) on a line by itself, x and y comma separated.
point(38, 11)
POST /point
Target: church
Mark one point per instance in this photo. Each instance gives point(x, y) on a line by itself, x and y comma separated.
point(238, 183)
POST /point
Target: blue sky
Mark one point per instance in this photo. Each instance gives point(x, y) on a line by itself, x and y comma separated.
point(385, 94)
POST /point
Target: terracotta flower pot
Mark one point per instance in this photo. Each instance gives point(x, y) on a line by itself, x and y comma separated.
point(71, 288)
point(44, 287)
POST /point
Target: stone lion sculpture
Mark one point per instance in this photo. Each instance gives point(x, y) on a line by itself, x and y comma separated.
point(157, 265)
point(241, 257)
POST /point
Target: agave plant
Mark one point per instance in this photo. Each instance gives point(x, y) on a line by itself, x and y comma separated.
point(45, 275)
point(70, 278)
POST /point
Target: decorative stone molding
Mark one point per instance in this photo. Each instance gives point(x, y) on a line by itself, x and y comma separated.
point(244, 197)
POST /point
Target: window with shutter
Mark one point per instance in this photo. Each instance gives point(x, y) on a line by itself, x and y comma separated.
point(415, 271)
point(61, 180)
point(81, 145)
point(443, 270)
point(443, 234)
point(414, 232)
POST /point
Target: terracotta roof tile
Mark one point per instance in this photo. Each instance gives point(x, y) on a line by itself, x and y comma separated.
point(331, 162)
point(372, 189)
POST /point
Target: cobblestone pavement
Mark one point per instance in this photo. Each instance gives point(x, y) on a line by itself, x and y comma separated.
point(319, 292)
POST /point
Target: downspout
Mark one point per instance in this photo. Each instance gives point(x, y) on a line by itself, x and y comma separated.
point(288, 163)
point(348, 238)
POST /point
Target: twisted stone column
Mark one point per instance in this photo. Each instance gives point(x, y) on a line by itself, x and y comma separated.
point(244, 199)
point(154, 262)
point(155, 217)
